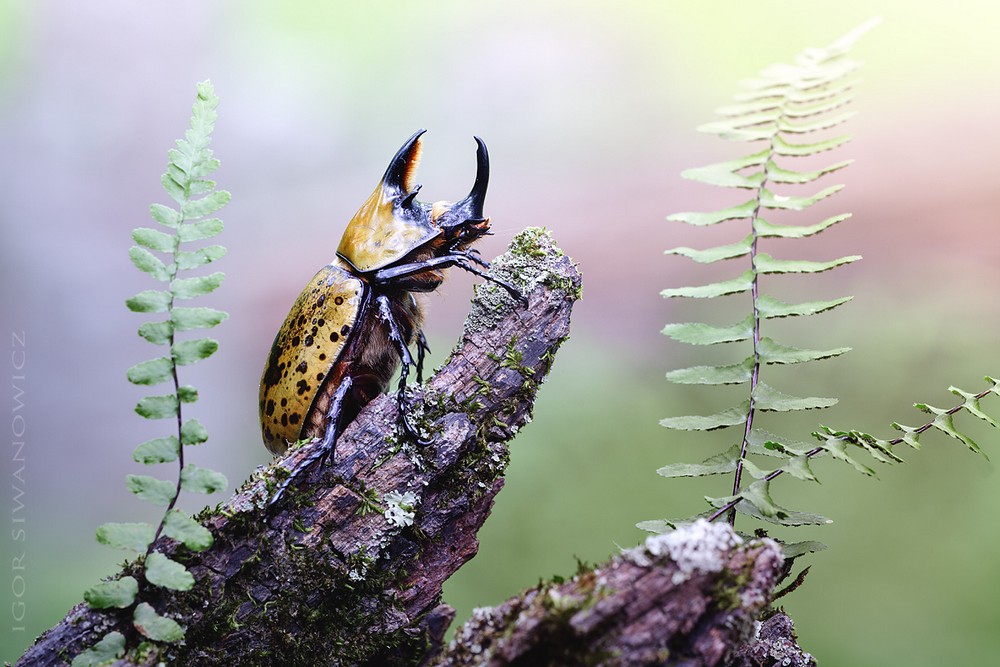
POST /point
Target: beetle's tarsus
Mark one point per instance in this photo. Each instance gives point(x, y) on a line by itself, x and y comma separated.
point(411, 430)
point(422, 348)
point(515, 293)
point(473, 255)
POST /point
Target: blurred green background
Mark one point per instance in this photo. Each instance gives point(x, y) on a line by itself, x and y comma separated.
point(589, 110)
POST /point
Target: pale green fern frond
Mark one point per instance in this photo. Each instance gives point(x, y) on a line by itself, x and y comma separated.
point(166, 256)
point(781, 113)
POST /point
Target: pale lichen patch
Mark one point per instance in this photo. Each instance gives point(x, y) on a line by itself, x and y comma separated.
point(696, 548)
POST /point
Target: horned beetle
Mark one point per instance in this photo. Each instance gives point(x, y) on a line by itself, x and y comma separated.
point(356, 319)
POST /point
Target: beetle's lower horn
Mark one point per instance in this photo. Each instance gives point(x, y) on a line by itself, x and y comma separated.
point(477, 196)
point(398, 179)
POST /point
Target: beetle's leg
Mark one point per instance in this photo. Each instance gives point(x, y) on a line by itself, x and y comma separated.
point(473, 255)
point(326, 446)
point(422, 347)
point(469, 253)
point(513, 291)
point(396, 336)
point(394, 273)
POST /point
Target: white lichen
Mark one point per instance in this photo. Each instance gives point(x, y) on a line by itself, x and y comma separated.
point(400, 508)
point(695, 548)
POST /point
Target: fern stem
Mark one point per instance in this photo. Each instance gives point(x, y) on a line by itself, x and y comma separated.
point(177, 393)
point(730, 507)
point(755, 374)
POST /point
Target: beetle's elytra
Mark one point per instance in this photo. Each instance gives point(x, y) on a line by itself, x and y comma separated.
point(354, 322)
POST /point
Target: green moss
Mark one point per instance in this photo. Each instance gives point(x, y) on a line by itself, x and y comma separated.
point(533, 242)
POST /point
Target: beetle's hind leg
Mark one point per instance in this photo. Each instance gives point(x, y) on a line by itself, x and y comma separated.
point(396, 336)
point(325, 448)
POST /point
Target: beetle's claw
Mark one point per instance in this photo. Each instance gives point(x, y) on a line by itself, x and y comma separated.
point(322, 453)
point(473, 254)
point(513, 291)
point(411, 430)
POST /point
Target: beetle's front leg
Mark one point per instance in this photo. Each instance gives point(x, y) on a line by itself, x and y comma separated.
point(513, 291)
point(326, 446)
point(473, 255)
point(396, 336)
point(396, 275)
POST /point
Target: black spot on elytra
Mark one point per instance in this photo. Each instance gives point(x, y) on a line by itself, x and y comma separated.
point(294, 418)
point(301, 387)
point(321, 300)
point(308, 341)
point(319, 377)
point(321, 322)
point(322, 357)
point(339, 300)
point(296, 341)
point(284, 402)
point(302, 367)
point(273, 373)
point(334, 337)
point(270, 408)
point(344, 330)
point(284, 419)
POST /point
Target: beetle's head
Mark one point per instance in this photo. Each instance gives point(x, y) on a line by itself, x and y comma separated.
point(392, 223)
point(462, 223)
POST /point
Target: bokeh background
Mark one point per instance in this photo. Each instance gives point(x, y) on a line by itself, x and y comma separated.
point(589, 109)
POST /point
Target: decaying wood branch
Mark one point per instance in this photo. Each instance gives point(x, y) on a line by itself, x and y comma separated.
point(774, 645)
point(339, 572)
point(686, 598)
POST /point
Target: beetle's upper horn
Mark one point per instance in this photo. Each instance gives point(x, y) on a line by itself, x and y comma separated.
point(398, 179)
point(477, 196)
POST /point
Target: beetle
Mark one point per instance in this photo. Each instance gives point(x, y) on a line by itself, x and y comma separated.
point(354, 322)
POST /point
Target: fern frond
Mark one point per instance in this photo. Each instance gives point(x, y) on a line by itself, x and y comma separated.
point(778, 113)
point(839, 444)
point(186, 183)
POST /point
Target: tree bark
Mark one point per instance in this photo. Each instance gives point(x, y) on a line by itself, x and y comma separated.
point(687, 598)
point(337, 573)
